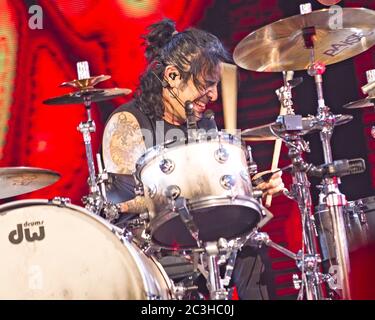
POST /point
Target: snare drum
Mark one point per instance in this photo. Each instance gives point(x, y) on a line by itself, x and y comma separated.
point(52, 251)
point(212, 175)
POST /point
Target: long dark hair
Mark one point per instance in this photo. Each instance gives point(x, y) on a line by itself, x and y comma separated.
point(193, 52)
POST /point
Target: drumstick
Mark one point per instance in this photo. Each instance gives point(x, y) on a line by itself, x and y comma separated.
point(275, 160)
point(229, 96)
point(277, 149)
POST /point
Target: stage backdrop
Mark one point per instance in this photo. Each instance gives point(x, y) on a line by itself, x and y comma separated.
point(36, 56)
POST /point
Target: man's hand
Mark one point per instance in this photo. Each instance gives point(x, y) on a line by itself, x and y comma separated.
point(273, 187)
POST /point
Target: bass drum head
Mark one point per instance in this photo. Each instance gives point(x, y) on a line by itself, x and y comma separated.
point(65, 252)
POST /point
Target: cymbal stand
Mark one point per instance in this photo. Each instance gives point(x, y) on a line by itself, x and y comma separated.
point(331, 195)
point(211, 252)
point(96, 201)
point(214, 254)
point(300, 192)
point(86, 128)
point(369, 89)
point(306, 263)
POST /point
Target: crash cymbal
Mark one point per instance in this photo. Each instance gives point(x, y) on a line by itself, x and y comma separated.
point(363, 103)
point(15, 181)
point(309, 125)
point(94, 95)
point(280, 46)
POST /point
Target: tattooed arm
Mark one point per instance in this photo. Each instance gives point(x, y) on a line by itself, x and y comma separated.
point(122, 146)
point(122, 143)
point(136, 205)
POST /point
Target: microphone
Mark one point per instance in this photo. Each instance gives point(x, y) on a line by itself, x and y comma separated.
point(209, 114)
point(191, 122)
point(208, 121)
point(164, 83)
point(338, 168)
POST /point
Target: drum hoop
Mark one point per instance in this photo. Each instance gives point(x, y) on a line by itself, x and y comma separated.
point(34, 202)
point(362, 202)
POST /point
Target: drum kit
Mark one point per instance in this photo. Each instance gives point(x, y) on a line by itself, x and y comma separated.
point(203, 218)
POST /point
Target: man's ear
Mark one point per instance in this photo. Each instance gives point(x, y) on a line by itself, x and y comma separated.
point(172, 76)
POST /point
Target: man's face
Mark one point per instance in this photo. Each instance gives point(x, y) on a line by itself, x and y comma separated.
point(190, 92)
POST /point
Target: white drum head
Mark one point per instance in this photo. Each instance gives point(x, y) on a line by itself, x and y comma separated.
point(51, 252)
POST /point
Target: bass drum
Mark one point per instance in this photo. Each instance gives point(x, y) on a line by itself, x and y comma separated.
point(52, 250)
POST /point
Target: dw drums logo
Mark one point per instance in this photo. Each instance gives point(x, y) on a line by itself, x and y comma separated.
point(23, 230)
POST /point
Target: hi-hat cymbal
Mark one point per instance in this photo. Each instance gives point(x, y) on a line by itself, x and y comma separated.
point(94, 95)
point(270, 131)
point(280, 46)
point(363, 103)
point(15, 181)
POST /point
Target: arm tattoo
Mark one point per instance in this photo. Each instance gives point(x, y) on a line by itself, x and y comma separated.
point(136, 205)
point(122, 143)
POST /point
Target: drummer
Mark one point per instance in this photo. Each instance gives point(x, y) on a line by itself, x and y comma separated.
point(182, 66)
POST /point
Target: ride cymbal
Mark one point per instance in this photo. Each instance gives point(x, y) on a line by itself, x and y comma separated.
point(280, 46)
point(15, 181)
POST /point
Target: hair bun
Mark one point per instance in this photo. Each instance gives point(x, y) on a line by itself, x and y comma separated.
point(160, 34)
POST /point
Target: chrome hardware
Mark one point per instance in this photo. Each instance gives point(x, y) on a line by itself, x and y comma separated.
point(151, 191)
point(61, 201)
point(221, 155)
point(166, 166)
point(227, 181)
point(173, 192)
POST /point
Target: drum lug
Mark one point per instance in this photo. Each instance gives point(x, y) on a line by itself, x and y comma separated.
point(173, 192)
point(166, 166)
point(221, 155)
point(129, 236)
point(60, 201)
point(228, 181)
point(151, 191)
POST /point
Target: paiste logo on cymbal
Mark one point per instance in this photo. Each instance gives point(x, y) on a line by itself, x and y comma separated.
point(329, 2)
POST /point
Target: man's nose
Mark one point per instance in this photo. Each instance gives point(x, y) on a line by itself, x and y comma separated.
point(212, 93)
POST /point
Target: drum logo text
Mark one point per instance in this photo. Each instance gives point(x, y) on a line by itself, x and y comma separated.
point(23, 230)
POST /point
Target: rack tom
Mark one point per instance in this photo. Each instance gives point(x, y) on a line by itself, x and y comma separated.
point(211, 173)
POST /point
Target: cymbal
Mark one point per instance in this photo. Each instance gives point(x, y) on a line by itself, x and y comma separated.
point(15, 181)
point(85, 83)
point(94, 95)
point(280, 46)
point(363, 103)
point(309, 124)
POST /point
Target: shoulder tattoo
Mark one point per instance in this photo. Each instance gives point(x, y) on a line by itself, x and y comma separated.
point(122, 143)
